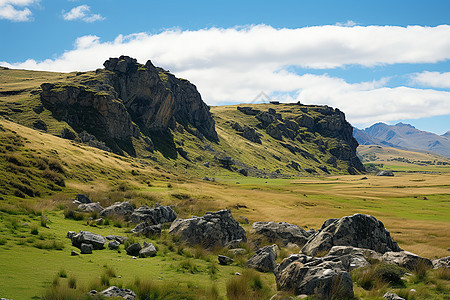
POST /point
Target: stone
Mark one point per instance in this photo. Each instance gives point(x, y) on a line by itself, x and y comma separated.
point(70, 234)
point(81, 198)
point(113, 245)
point(236, 126)
point(264, 259)
point(148, 250)
point(86, 248)
point(120, 239)
point(147, 230)
point(211, 230)
point(351, 258)
point(90, 207)
point(120, 209)
point(281, 231)
point(385, 173)
point(405, 259)
point(443, 262)
point(238, 251)
point(87, 237)
point(134, 249)
point(250, 134)
point(303, 274)
point(73, 253)
point(114, 291)
point(361, 231)
point(224, 260)
point(158, 215)
point(392, 296)
point(248, 110)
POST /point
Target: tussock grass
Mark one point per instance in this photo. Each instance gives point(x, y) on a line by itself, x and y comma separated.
point(247, 286)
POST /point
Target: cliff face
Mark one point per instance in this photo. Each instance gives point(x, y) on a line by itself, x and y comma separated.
point(127, 99)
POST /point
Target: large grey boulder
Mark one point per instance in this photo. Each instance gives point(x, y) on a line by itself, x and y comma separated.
point(86, 248)
point(148, 250)
point(351, 257)
point(443, 262)
point(264, 259)
point(406, 259)
point(120, 239)
point(314, 276)
point(224, 260)
point(158, 215)
point(281, 231)
point(113, 245)
point(90, 207)
point(134, 249)
point(211, 230)
point(114, 291)
point(86, 237)
point(81, 198)
point(147, 229)
point(120, 209)
point(361, 231)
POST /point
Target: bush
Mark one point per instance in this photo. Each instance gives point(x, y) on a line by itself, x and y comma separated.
point(34, 230)
point(390, 273)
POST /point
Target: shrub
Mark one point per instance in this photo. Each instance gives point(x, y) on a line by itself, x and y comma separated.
point(62, 273)
point(70, 213)
point(109, 271)
point(34, 230)
point(59, 292)
point(390, 273)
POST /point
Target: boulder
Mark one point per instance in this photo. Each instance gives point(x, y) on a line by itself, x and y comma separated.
point(134, 249)
point(211, 230)
point(351, 258)
point(120, 239)
point(90, 207)
point(392, 296)
point(385, 173)
point(281, 231)
point(361, 231)
point(405, 259)
point(70, 234)
point(86, 237)
point(158, 215)
point(224, 260)
point(251, 135)
point(264, 259)
point(81, 198)
point(114, 291)
point(113, 245)
point(120, 209)
point(302, 274)
point(148, 250)
point(73, 253)
point(443, 262)
point(147, 229)
point(86, 248)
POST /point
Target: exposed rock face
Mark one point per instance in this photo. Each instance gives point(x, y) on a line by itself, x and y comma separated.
point(313, 276)
point(128, 98)
point(121, 209)
point(153, 216)
point(86, 237)
point(406, 259)
point(264, 259)
point(281, 231)
point(362, 231)
point(213, 229)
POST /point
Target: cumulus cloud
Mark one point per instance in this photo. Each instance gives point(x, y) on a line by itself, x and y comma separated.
point(432, 79)
point(83, 13)
point(234, 65)
point(16, 10)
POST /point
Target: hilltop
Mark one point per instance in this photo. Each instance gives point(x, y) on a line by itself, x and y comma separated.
point(403, 136)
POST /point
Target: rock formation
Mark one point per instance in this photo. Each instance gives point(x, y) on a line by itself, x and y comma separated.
point(281, 231)
point(158, 215)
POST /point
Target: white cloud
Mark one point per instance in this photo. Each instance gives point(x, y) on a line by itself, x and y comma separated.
point(83, 13)
point(349, 23)
point(432, 79)
point(234, 65)
point(16, 10)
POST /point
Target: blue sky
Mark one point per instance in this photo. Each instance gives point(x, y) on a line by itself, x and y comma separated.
point(375, 60)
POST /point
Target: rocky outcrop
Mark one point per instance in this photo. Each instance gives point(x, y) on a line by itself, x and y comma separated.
point(158, 215)
point(406, 260)
point(281, 231)
point(362, 231)
point(127, 99)
point(86, 237)
point(118, 209)
point(146, 229)
point(211, 230)
point(303, 274)
point(264, 259)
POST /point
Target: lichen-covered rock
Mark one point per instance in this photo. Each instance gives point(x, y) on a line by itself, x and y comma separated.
point(224, 260)
point(113, 245)
point(351, 257)
point(86, 248)
point(264, 259)
point(361, 231)
point(211, 230)
point(443, 262)
point(120, 239)
point(281, 231)
point(115, 292)
point(406, 259)
point(148, 230)
point(86, 237)
point(148, 250)
point(120, 209)
point(314, 276)
point(157, 215)
point(134, 249)
point(90, 207)
point(392, 296)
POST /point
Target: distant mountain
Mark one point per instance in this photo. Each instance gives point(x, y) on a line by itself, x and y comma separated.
point(403, 136)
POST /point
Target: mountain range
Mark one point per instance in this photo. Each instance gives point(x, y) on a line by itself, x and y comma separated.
point(404, 136)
